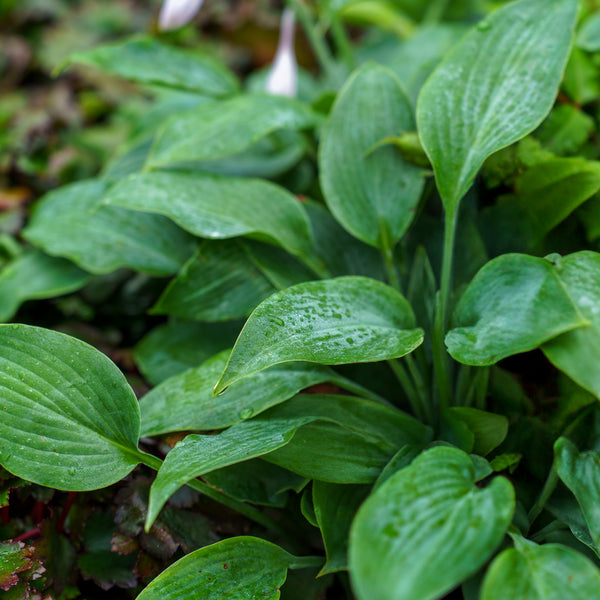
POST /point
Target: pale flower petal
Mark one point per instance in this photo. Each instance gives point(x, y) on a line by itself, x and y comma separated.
point(176, 13)
point(283, 75)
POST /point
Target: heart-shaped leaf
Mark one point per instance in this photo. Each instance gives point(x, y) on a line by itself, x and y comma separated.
point(492, 89)
point(372, 192)
point(336, 321)
point(577, 352)
point(68, 418)
point(373, 433)
point(514, 304)
point(427, 528)
point(239, 568)
point(101, 238)
point(549, 572)
point(216, 131)
point(146, 60)
point(218, 207)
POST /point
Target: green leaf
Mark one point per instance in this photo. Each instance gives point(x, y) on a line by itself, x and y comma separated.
point(489, 429)
point(581, 78)
point(177, 346)
point(255, 481)
point(335, 507)
point(14, 559)
point(239, 568)
point(577, 352)
point(218, 283)
point(374, 433)
point(492, 89)
point(372, 191)
point(102, 239)
point(427, 528)
point(514, 304)
point(588, 36)
point(546, 194)
point(34, 275)
point(217, 207)
point(199, 454)
point(146, 60)
point(218, 130)
point(581, 474)
point(336, 321)
point(186, 402)
point(566, 129)
point(68, 418)
point(549, 572)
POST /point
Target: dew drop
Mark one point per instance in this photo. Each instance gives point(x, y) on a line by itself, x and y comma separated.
point(484, 26)
point(246, 413)
point(72, 471)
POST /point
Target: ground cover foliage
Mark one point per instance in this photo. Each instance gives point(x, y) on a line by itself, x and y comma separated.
point(341, 345)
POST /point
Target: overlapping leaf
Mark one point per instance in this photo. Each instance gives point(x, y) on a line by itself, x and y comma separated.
point(372, 191)
point(336, 321)
point(216, 131)
point(239, 568)
point(71, 222)
point(218, 207)
point(429, 518)
point(68, 418)
point(549, 572)
point(492, 89)
point(514, 304)
point(146, 60)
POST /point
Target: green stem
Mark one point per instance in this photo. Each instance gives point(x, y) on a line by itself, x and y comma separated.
point(318, 44)
point(390, 268)
point(549, 486)
point(342, 42)
point(420, 386)
point(435, 12)
point(440, 356)
point(244, 509)
point(408, 387)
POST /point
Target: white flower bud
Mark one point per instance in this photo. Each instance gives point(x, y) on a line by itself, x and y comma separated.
point(176, 13)
point(283, 75)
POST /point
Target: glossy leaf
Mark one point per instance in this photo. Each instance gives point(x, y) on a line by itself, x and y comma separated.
point(216, 131)
point(34, 275)
point(238, 568)
point(372, 191)
point(218, 283)
point(580, 472)
point(186, 402)
point(492, 89)
point(336, 321)
point(218, 207)
point(373, 433)
point(177, 346)
point(102, 239)
point(335, 507)
point(69, 420)
point(199, 454)
point(146, 60)
point(577, 352)
point(514, 304)
point(427, 528)
point(489, 429)
point(532, 572)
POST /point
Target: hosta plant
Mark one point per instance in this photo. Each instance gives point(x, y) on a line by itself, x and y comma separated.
point(380, 312)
